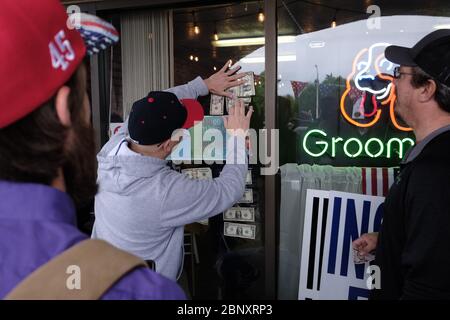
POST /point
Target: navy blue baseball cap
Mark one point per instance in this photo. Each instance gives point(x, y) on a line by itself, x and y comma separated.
point(154, 118)
point(431, 54)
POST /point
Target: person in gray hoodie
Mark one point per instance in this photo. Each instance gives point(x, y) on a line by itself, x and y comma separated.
point(143, 205)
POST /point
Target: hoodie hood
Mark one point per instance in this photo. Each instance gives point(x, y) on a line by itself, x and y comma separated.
point(121, 173)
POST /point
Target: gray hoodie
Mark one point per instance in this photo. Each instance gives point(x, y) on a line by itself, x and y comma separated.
point(142, 204)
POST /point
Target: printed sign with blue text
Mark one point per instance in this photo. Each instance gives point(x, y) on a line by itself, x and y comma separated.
point(333, 220)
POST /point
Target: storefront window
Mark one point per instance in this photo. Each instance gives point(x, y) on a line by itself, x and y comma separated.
point(165, 47)
point(336, 111)
point(204, 39)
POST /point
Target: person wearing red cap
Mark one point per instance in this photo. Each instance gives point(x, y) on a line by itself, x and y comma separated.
point(48, 167)
point(412, 247)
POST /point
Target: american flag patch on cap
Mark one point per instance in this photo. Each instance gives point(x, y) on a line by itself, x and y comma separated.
point(96, 32)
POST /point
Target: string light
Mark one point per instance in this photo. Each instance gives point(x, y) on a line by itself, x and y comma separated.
point(196, 27)
point(260, 14)
point(216, 36)
point(193, 58)
point(333, 23)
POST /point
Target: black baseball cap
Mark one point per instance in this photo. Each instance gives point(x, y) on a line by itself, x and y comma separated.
point(154, 118)
point(431, 54)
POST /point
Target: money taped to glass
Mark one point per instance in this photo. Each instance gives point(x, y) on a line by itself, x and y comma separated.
point(243, 214)
point(198, 173)
point(230, 102)
point(244, 91)
point(248, 196)
point(216, 105)
point(247, 88)
point(248, 178)
point(237, 230)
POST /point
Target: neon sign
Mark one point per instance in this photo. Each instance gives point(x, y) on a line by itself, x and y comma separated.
point(380, 96)
point(353, 147)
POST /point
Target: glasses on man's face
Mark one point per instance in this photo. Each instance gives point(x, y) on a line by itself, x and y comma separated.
point(397, 74)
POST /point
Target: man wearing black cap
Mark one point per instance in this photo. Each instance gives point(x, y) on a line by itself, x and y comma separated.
point(142, 204)
point(412, 247)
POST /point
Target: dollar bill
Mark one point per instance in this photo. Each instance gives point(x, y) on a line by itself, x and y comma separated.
point(248, 196)
point(216, 105)
point(247, 102)
point(248, 178)
point(229, 215)
point(237, 230)
point(198, 173)
point(204, 173)
point(247, 88)
point(188, 172)
point(243, 214)
point(230, 102)
point(361, 259)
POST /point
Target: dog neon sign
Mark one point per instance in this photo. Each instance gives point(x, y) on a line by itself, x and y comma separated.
point(381, 96)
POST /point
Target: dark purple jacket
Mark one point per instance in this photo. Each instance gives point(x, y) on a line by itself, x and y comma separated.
point(37, 223)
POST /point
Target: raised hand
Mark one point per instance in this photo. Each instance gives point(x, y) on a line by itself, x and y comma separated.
point(237, 122)
point(366, 243)
point(222, 80)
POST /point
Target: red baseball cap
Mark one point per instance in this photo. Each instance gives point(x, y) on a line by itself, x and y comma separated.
point(38, 54)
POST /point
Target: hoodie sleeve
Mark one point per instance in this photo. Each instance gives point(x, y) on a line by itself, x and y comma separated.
point(187, 200)
point(192, 90)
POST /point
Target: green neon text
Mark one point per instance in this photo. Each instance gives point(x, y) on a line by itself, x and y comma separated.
point(353, 147)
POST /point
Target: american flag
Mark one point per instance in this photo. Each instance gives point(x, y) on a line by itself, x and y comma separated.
point(377, 181)
point(297, 87)
point(97, 33)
